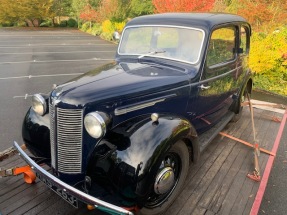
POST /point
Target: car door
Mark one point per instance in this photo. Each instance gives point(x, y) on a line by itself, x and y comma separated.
point(219, 78)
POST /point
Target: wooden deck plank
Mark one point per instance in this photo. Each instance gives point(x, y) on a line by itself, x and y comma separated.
point(268, 141)
point(11, 182)
point(21, 197)
point(183, 200)
point(222, 173)
point(247, 193)
point(214, 187)
point(195, 181)
point(205, 181)
point(217, 184)
point(32, 206)
point(194, 169)
point(200, 211)
point(60, 206)
point(242, 153)
point(232, 195)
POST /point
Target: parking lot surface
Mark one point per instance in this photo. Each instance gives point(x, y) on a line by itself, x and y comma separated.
point(32, 60)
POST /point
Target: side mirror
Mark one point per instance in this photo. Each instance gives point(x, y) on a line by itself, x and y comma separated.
point(116, 36)
point(240, 50)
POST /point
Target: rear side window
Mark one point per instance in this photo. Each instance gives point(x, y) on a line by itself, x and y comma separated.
point(221, 46)
point(244, 41)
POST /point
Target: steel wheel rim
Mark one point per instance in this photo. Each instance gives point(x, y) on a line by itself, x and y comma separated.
point(171, 160)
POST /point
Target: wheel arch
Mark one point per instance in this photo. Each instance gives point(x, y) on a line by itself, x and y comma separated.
point(249, 85)
point(142, 150)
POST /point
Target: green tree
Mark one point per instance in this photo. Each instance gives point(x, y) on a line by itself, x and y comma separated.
point(141, 7)
point(77, 8)
point(62, 8)
point(94, 3)
point(122, 10)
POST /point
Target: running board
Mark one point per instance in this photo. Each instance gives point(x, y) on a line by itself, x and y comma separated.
point(208, 136)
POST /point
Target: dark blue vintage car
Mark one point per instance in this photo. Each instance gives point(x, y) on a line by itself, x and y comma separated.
point(122, 137)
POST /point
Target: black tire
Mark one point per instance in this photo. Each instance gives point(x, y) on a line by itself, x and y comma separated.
point(239, 108)
point(158, 204)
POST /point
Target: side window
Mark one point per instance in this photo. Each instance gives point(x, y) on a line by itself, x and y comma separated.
point(244, 42)
point(221, 46)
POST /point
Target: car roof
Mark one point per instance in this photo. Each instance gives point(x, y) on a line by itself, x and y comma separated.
point(201, 20)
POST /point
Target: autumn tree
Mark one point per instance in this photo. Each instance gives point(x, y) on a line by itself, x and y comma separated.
point(263, 12)
point(111, 9)
point(162, 6)
point(29, 11)
point(77, 7)
point(88, 14)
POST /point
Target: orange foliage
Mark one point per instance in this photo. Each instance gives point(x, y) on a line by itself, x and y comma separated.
point(259, 12)
point(88, 14)
point(162, 6)
point(107, 9)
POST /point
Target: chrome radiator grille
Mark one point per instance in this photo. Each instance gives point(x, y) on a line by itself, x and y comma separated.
point(68, 139)
point(52, 135)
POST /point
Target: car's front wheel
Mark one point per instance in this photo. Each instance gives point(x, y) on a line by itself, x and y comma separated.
point(169, 180)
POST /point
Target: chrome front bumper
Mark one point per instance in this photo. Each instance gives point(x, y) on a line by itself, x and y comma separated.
point(84, 197)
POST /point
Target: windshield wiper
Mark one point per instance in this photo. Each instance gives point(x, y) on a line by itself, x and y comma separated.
point(151, 53)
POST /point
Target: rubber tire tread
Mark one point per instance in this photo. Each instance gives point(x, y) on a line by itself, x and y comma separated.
point(181, 149)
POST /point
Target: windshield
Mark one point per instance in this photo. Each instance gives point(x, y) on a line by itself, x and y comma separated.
point(176, 43)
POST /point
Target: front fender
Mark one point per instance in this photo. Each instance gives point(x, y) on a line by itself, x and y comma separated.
point(36, 133)
point(148, 146)
point(138, 151)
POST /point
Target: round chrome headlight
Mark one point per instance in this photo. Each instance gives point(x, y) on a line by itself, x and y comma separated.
point(96, 123)
point(39, 104)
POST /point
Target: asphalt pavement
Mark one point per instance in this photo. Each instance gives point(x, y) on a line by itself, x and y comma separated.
point(32, 60)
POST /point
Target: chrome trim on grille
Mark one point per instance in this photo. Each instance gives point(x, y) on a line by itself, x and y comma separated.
point(69, 140)
point(52, 135)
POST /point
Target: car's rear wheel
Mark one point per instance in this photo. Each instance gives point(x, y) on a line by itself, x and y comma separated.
point(169, 180)
point(239, 102)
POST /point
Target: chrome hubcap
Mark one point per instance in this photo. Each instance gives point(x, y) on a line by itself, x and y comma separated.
point(164, 181)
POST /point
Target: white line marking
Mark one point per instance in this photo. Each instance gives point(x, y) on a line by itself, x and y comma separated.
point(40, 76)
point(51, 61)
point(52, 45)
point(52, 35)
point(25, 97)
point(71, 52)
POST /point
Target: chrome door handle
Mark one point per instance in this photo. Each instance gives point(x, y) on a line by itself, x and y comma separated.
point(203, 87)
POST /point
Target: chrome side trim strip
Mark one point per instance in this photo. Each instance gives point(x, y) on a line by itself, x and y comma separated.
point(84, 197)
point(140, 105)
